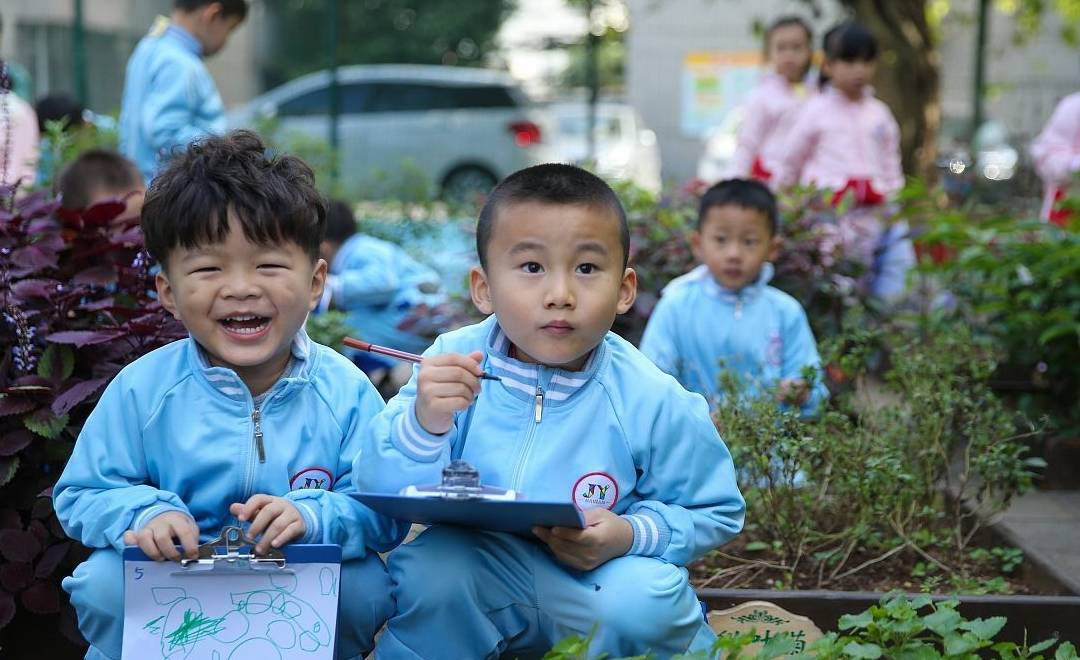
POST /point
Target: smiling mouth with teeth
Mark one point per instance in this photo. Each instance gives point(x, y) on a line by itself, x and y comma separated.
point(246, 324)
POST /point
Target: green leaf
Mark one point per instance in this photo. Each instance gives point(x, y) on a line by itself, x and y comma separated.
point(960, 644)
point(944, 621)
point(8, 467)
point(57, 362)
point(1059, 330)
point(1042, 646)
point(777, 647)
point(985, 629)
point(867, 651)
point(1065, 652)
point(856, 621)
point(756, 546)
point(45, 423)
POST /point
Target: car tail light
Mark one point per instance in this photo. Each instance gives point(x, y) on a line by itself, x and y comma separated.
point(526, 133)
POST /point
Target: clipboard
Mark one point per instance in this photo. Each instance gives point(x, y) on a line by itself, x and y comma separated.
point(514, 516)
point(230, 603)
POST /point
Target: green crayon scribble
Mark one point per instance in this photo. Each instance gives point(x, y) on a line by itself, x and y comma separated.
point(196, 626)
point(153, 626)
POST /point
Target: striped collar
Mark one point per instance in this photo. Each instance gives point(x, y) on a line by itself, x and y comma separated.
point(525, 379)
point(227, 382)
point(704, 278)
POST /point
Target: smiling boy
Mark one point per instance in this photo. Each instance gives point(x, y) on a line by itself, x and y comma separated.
point(579, 415)
point(247, 421)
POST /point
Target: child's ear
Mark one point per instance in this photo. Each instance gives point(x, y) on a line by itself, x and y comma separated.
point(318, 283)
point(165, 293)
point(627, 291)
point(480, 290)
point(695, 245)
point(774, 248)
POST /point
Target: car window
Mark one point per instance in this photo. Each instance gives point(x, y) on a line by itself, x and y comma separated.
point(315, 102)
point(575, 124)
point(354, 99)
point(415, 97)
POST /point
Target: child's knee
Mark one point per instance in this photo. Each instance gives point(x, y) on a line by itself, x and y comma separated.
point(439, 565)
point(646, 599)
point(97, 594)
point(364, 594)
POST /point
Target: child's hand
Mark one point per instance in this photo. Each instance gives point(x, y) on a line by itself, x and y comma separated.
point(158, 537)
point(605, 537)
point(275, 518)
point(447, 383)
point(794, 391)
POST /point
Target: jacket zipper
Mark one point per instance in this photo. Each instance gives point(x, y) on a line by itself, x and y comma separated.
point(538, 415)
point(738, 307)
point(256, 416)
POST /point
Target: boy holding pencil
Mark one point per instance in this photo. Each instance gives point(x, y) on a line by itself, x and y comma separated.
point(247, 421)
point(578, 414)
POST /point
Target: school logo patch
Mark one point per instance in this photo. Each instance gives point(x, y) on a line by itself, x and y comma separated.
point(774, 350)
point(312, 477)
point(595, 490)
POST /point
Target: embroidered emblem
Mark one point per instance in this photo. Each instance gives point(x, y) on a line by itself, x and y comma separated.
point(595, 490)
point(774, 350)
point(312, 477)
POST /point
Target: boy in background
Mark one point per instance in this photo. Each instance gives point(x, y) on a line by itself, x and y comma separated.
point(723, 315)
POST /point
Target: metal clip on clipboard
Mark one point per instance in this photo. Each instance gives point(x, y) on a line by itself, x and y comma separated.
point(461, 481)
point(232, 540)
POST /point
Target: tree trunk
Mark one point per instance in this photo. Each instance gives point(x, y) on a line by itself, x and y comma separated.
point(909, 75)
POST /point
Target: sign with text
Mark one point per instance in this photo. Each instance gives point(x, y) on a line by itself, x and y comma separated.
point(768, 621)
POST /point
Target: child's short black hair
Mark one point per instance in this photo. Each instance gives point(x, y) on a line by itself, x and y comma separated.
point(97, 171)
point(59, 107)
point(228, 7)
point(551, 183)
point(340, 221)
point(744, 193)
point(273, 197)
point(850, 42)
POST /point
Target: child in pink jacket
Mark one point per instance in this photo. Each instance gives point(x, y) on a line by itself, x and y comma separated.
point(1057, 156)
point(772, 107)
point(848, 142)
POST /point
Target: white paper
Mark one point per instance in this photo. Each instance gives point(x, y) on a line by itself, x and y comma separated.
point(272, 615)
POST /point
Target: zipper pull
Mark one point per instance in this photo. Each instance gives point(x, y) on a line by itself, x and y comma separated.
point(538, 410)
point(255, 415)
point(738, 308)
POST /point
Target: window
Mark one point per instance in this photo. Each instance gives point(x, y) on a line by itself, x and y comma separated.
point(353, 99)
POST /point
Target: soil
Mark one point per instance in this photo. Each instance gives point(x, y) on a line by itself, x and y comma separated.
point(894, 573)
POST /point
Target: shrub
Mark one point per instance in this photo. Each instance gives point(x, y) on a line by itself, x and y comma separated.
point(76, 304)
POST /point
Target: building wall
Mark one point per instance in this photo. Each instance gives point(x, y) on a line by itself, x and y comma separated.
point(38, 34)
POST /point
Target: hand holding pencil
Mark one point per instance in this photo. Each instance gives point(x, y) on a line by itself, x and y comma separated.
point(447, 383)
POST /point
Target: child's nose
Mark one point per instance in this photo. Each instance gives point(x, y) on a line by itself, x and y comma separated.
point(240, 286)
point(559, 293)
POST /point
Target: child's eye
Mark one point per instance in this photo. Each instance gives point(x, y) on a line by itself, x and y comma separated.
point(272, 266)
point(532, 267)
point(587, 269)
point(206, 269)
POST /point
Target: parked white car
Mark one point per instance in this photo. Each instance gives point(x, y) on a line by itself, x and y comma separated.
point(626, 150)
point(463, 129)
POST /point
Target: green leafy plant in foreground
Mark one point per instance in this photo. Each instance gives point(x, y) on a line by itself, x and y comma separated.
point(898, 626)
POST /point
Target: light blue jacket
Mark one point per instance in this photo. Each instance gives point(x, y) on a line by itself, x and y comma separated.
point(170, 99)
point(699, 328)
point(619, 434)
point(172, 433)
point(379, 286)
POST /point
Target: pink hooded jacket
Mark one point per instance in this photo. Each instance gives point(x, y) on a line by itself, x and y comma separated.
point(1057, 151)
point(836, 141)
point(768, 115)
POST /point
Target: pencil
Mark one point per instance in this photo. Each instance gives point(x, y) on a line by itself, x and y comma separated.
point(396, 354)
